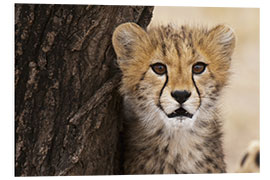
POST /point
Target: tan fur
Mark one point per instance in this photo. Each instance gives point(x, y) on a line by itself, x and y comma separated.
point(154, 142)
point(250, 162)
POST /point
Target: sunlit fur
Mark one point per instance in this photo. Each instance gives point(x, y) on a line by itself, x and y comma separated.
point(155, 143)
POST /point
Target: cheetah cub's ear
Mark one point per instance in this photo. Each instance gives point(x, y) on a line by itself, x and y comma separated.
point(127, 39)
point(221, 41)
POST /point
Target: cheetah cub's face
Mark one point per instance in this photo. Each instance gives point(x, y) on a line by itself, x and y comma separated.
point(173, 72)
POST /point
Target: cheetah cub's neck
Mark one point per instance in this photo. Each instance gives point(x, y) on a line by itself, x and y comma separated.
point(172, 78)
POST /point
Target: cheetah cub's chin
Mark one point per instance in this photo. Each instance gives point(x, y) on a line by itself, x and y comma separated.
point(172, 78)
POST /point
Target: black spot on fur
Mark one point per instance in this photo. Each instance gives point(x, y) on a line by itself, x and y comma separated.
point(222, 170)
point(218, 87)
point(208, 159)
point(142, 88)
point(190, 155)
point(206, 144)
point(190, 35)
point(175, 171)
point(156, 150)
point(142, 106)
point(191, 131)
point(140, 97)
point(183, 32)
point(159, 132)
point(143, 75)
point(200, 41)
point(215, 166)
point(212, 76)
point(172, 168)
point(193, 52)
point(218, 135)
point(177, 49)
point(166, 149)
point(244, 159)
point(142, 167)
point(177, 160)
point(163, 47)
point(199, 164)
point(209, 171)
point(257, 159)
point(137, 86)
point(198, 147)
point(216, 90)
point(178, 157)
point(168, 31)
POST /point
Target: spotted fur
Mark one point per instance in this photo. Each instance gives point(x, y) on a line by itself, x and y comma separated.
point(250, 162)
point(154, 142)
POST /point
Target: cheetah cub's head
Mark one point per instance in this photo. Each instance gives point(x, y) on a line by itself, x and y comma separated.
point(173, 72)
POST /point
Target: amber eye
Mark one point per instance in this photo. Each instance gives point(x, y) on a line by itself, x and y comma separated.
point(159, 68)
point(198, 68)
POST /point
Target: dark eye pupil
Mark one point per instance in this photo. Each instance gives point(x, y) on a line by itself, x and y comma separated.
point(159, 68)
point(198, 67)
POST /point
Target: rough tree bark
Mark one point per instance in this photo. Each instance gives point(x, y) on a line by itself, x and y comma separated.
point(67, 108)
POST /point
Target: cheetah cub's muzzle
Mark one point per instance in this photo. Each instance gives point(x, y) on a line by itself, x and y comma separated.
point(180, 97)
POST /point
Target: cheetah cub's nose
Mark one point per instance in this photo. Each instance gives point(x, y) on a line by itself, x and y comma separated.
point(181, 96)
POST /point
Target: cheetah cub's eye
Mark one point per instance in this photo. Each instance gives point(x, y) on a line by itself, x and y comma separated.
point(198, 68)
point(159, 68)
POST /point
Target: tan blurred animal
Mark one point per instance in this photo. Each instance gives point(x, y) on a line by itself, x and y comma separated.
point(172, 79)
point(250, 162)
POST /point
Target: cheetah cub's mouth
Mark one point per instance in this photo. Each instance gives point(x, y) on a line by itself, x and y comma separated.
point(180, 112)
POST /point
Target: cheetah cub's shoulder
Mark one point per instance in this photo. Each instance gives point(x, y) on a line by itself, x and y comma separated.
point(171, 82)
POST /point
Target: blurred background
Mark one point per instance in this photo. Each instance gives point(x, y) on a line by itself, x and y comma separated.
point(240, 102)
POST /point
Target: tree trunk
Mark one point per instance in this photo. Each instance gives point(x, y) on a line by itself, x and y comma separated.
point(67, 106)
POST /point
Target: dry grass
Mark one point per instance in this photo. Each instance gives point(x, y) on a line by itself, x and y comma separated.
point(241, 98)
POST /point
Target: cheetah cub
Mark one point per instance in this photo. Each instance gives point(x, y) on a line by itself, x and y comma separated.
point(171, 81)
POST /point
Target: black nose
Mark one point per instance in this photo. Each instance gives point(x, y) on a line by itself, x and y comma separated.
point(180, 96)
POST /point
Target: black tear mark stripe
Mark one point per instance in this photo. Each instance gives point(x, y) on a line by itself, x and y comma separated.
point(197, 89)
point(161, 91)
